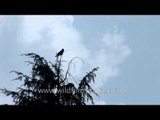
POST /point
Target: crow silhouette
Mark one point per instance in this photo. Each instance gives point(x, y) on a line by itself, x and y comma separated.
point(60, 53)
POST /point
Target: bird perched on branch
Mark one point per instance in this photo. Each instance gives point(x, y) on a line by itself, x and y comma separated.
point(60, 53)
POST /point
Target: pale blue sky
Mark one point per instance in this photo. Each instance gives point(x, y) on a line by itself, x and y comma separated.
point(130, 54)
point(140, 72)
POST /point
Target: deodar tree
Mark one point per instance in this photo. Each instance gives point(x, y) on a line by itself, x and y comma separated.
point(48, 84)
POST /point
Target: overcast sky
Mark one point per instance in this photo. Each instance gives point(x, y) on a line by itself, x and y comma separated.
point(126, 48)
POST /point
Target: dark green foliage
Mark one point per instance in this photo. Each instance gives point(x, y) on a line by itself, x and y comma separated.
point(48, 85)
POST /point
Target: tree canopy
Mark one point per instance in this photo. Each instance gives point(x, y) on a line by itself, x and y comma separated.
point(48, 84)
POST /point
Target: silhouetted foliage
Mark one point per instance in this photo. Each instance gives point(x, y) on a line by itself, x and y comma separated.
point(48, 85)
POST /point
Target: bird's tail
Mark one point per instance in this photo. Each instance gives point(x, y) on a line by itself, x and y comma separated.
point(56, 55)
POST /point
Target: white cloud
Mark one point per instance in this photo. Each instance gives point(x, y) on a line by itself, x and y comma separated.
point(109, 58)
point(53, 33)
point(46, 35)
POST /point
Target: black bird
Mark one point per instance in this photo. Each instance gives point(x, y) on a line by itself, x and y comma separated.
point(60, 53)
